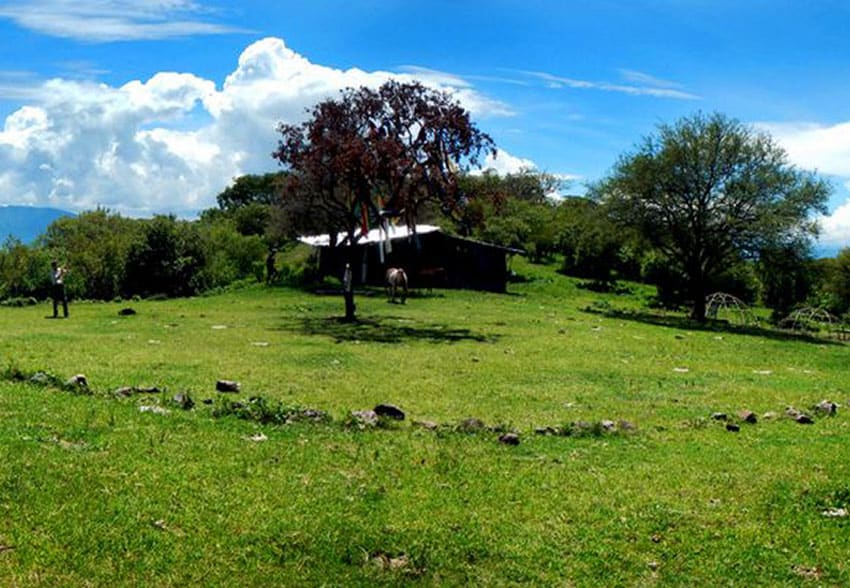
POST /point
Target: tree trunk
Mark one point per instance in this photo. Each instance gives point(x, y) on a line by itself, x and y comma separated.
point(348, 286)
point(698, 292)
point(350, 307)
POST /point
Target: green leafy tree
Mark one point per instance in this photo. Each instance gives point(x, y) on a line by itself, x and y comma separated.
point(788, 278)
point(229, 255)
point(835, 289)
point(24, 270)
point(252, 189)
point(513, 210)
point(168, 259)
point(707, 191)
point(94, 247)
point(591, 244)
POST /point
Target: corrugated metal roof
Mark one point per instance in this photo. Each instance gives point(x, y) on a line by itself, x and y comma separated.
point(373, 236)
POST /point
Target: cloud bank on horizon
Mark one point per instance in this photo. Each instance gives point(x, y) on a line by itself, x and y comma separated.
point(171, 143)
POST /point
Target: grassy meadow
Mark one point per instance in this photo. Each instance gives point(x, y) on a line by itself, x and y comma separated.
point(100, 490)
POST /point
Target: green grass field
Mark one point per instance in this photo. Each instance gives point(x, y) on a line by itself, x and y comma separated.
point(96, 490)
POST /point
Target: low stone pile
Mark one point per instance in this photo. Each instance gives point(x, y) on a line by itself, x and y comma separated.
point(824, 408)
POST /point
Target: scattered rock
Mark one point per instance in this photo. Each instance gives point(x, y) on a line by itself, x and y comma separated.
point(836, 513)
point(154, 409)
point(389, 411)
point(364, 418)
point(608, 426)
point(42, 379)
point(799, 416)
point(545, 431)
point(626, 426)
point(78, 381)
point(509, 439)
point(127, 391)
point(260, 343)
point(763, 372)
point(400, 563)
point(681, 370)
point(308, 414)
point(147, 389)
point(218, 327)
point(227, 386)
point(429, 425)
point(256, 438)
point(471, 425)
point(808, 573)
point(748, 416)
point(732, 427)
point(183, 400)
point(770, 415)
point(126, 312)
point(826, 407)
point(719, 416)
point(577, 428)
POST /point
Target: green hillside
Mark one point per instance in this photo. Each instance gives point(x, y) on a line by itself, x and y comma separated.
point(105, 488)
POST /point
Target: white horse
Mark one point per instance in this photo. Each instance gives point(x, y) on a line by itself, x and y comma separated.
point(396, 278)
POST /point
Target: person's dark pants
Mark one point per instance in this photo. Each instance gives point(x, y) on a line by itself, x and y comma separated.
point(59, 296)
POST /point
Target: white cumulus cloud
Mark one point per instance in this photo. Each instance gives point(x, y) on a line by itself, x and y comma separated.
point(825, 149)
point(174, 141)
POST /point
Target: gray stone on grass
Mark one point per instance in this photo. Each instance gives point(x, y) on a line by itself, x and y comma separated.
point(719, 416)
point(227, 386)
point(748, 416)
point(127, 391)
point(77, 381)
point(183, 400)
point(364, 418)
point(509, 439)
point(154, 409)
point(626, 426)
point(429, 425)
point(826, 407)
point(608, 426)
point(732, 427)
point(42, 378)
point(389, 411)
point(471, 425)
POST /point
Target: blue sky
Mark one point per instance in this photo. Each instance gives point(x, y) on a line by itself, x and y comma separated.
point(149, 106)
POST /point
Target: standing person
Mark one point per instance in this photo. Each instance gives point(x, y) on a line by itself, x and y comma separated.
point(57, 278)
point(271, 268)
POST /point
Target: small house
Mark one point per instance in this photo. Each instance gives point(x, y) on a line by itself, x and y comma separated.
point(431, 258)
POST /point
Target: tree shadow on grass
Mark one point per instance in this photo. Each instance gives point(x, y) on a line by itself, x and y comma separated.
point(712, 326)
point(385, 329)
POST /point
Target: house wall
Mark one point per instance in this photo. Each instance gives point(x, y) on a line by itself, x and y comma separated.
point(432, 260)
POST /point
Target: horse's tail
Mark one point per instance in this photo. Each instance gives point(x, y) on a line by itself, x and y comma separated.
point(402, 276)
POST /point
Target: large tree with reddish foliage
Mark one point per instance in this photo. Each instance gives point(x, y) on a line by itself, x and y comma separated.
point(374, 153)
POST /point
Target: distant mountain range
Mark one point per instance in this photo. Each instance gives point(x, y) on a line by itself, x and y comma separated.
point(27, 222)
